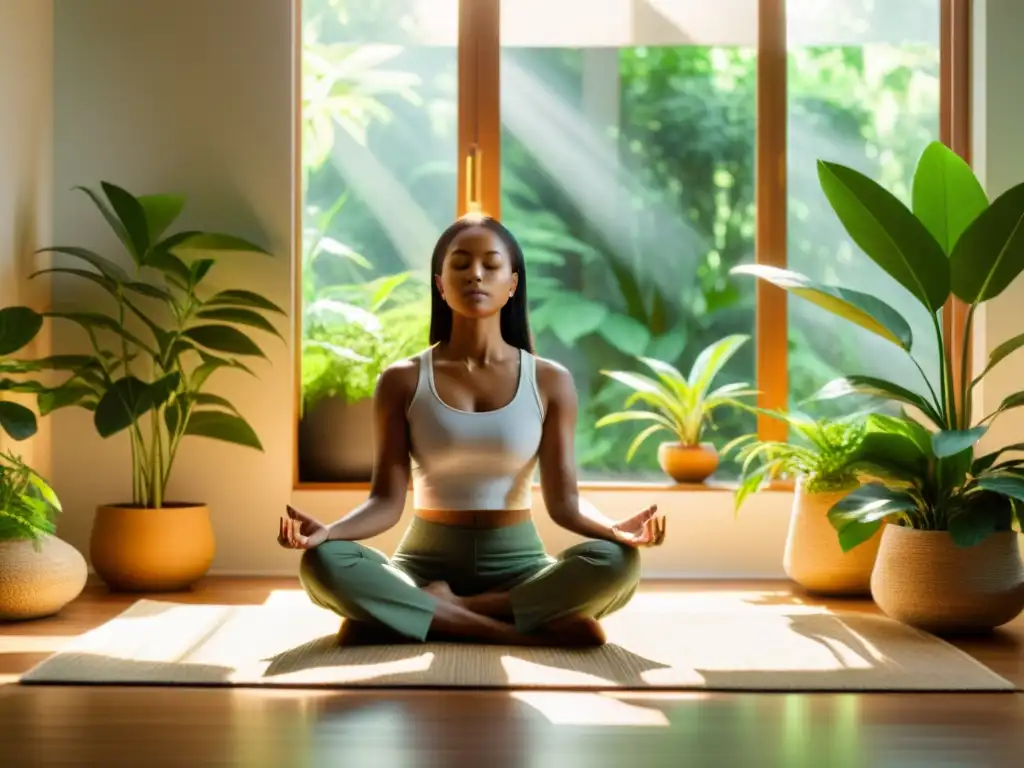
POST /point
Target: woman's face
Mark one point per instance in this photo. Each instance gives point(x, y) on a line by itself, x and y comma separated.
point(476, 277)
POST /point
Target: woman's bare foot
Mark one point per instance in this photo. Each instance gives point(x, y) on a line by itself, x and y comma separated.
point(442, 592)
point(575, 632)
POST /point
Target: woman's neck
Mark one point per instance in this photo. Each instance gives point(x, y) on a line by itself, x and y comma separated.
point(477, 340)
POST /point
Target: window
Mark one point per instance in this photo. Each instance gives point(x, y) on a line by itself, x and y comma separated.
point(639, 149)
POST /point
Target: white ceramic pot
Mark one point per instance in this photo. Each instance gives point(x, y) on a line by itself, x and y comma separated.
point(38, 582)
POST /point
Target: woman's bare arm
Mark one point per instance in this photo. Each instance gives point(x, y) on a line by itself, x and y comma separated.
point(557, 457)
point(391, 471)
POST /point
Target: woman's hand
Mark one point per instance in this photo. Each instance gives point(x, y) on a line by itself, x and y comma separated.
point(644, 529)
point(300, 531)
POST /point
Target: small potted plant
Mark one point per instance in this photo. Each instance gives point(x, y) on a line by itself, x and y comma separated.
point(821, 460)
point(39, 573)
point(950, 560)
point(352, 333)
point(682, 406)
point(146, 377)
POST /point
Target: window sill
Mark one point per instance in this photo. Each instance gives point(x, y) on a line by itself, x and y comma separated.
point(611, 487)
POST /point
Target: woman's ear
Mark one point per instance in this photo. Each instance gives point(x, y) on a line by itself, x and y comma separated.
point(440, 286)
point(515, 284)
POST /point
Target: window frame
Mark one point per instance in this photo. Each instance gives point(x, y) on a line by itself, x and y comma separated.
point(479, 183)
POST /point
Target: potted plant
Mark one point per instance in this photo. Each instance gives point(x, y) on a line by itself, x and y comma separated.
point(146, 377)
point(682, 406)
point(820, 459)
point(39, 573)
point(353, 332)
point(950, 561)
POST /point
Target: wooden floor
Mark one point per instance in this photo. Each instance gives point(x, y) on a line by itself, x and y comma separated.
point(143, 727)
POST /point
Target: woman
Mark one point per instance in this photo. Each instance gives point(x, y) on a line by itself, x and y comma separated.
point(469, 420)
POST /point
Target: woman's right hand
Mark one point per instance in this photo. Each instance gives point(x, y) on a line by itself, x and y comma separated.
point(300, 531)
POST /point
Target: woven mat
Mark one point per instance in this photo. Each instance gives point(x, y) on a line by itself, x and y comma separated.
point(736, 641)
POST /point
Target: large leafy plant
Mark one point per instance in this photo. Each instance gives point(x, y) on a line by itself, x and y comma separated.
point(154, 351)
point(681, 405)
point(822, 453)
point(951, 242)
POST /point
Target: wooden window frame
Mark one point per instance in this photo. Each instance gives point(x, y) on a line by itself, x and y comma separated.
point(479, 187)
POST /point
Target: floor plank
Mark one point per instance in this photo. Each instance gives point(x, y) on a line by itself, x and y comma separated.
point(112, 726)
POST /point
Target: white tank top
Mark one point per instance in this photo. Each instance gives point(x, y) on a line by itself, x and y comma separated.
point(463, 460)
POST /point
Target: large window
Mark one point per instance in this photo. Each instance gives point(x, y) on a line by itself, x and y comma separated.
point(631, 146)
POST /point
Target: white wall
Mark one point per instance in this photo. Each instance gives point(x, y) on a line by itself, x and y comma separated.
point(26, 141)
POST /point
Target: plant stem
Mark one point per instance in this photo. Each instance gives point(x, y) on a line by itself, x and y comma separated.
point(935, 398)
point(949, 407)
point(965, 385)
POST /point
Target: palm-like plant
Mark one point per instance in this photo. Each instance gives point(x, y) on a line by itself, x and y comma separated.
point(822, 454)
point(951, 243)
point(681, 405)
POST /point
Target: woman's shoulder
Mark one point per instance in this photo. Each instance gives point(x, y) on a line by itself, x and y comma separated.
point(399, 379)
point(554, 380)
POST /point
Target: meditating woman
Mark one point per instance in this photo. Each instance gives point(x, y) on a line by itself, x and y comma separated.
point(469, 419)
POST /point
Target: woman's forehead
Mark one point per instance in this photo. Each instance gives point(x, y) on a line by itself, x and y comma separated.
point(478, 240)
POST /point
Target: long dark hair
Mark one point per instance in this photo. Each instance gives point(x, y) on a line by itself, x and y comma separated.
point(515, 324)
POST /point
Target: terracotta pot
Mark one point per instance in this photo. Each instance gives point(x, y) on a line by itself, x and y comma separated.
point(38, 579)
point(924, 579)
point(688, 463)
point(134, 549)
point(813, 557)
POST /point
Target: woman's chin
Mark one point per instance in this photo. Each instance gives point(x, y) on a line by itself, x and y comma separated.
point(476, 310)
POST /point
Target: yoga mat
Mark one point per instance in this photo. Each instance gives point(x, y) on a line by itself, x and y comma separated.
point(728, 641)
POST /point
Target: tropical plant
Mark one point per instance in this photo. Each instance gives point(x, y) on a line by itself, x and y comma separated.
point(682, 405)
point(822, 455)
point(951, 243)
point(355, 331)
point(193, 334)
point(18, 327)
point(28, 506)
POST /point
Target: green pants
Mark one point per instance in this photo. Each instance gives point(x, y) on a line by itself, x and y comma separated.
point(593, 578)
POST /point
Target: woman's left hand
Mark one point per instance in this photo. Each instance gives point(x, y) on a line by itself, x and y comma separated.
point(644, 529)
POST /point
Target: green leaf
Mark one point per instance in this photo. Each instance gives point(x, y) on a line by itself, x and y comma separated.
point(210, 364)
point(199, 270)
point(213, 241)
point(66, 396)
point(132, 216)
point(947, 194)
point(50, 363)
point(240, 315)
point(640, 439)
point(239, 298)
point(711, 360)
point(1000, 353)
point(869, 385)
point(625, 333)
point(170, 265)
point(623, 416)
point(161, 211)
point(1011, 486)
point(223, 426)
point(950, 442)
point(1016, 400)
point(864, 310)
point(990, 254)
point(900, 446)
point(17, 420)
point(858, 515)
point(888, 233)
point(971, 526)
point(128, 399)
point(104, 266)
point(984, 462)
point(112, 220)
point(94, 320)
point(224, 338)
point(18, 326)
